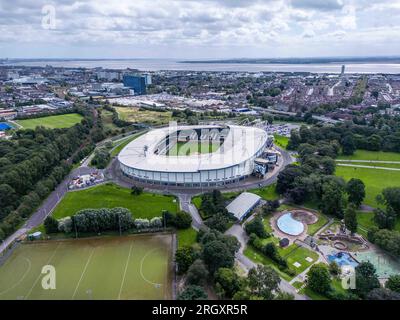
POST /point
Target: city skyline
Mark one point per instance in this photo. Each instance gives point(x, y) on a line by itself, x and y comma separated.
point(212, 29)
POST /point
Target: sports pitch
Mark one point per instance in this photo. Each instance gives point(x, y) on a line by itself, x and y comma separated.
point(193, 147)
point(128, 267)
point(52, 122)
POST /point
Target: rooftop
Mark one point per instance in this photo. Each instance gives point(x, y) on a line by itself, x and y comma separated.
point(243, 204)
point(240, 144)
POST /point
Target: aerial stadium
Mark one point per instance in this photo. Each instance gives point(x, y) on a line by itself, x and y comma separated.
point(195, 156)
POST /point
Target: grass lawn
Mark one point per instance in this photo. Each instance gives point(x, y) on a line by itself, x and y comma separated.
point(366, 221)
point(129, 267)
point(186, 237)
point(193, 147)
point(375, 180)
point(258, 257)
point(52, 122)
point(313, 228)
point(281, 141)
point(146, 205)
point(372, 155)
point(197, 202)
point(336, 286)
point(267, 193)
point(292, 254)
point(135, 115)
point(106, 117)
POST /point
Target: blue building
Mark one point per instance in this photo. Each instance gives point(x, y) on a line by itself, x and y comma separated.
point(135, 82)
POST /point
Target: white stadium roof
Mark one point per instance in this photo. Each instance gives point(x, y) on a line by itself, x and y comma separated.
point(240, 144)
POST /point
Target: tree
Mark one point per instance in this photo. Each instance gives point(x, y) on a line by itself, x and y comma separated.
point(183, 220)
point(256, 226)
point(355, 188)
point(135, 190)
point(197, 273)
point(287, 177)
point(284, 296)
point(350, 218)
point(385, 219)
point(229, 281)
point(334, 269)
point(348, 145)
point(382, 294)
point(184, 257)
point(270, 207)
point(218, 222)
point(366, 279)
point(263, 281)
point(101, 158)
point(391, 197)
point(270, 250)
point(50, 225)
point(193, 292)
point(216, 254)
point(332, 199)
point(393, 283)
point(319, 279)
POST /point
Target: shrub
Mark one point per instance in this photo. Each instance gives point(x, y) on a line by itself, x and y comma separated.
point(156, 222)
point(50, 225)
point(65, 225)
point(183, 220)
point(142, 223)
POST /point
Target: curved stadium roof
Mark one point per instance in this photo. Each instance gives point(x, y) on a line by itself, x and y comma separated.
point(241, 143)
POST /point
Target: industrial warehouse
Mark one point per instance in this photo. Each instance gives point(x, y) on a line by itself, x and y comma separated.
point(197, 156)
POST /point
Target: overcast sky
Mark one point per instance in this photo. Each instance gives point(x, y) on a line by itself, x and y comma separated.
point(198, 28)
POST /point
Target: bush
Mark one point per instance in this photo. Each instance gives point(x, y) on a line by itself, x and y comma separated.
point(135, 190)
point(256, 226)
point(156, 222)
point(183, 220)
point(50, 225)
point(197, 273)
point(65, 225)
point(193, 293)
point(142, 223)
point(218, 222)
point(97, 220)
point(184, 257)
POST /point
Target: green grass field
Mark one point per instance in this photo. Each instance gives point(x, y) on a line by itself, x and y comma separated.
point(52, 122)
point(372, 155)
point(267, 193)
point(193, 147)
point(281, 141)
point(136, 115)
point(292, 254)
point(146, 205)
point(186, 237)
point(132, 267)
point(375, 180)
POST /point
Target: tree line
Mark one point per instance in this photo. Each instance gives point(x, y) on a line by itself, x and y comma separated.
point(34, 162)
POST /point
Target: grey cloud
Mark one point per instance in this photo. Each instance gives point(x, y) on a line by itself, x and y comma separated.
point(324, 5)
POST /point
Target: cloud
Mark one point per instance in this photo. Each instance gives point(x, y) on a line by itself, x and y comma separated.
point(324, 5)
point(195, 27)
